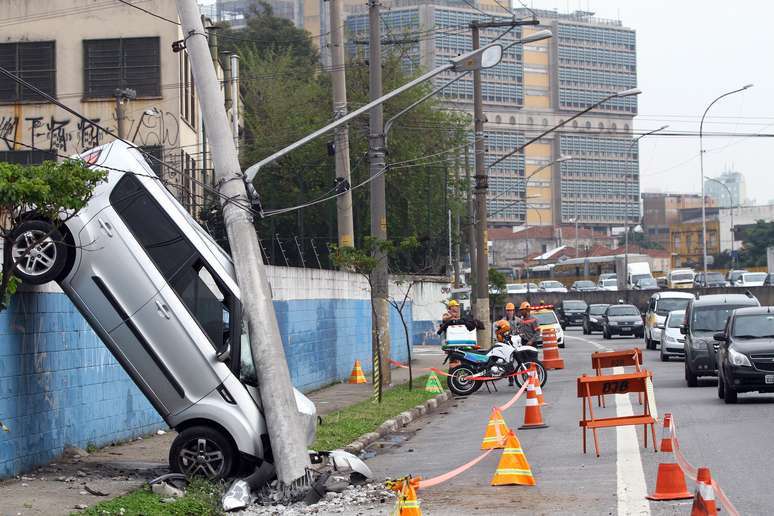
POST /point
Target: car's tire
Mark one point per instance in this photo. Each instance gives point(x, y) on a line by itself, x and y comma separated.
point(691, 379)
point(661, 354)
point(202, 451)
point(721, 388)
point(639, 336)
point(458, 385)
point(585, 329)
point(47, 260)
point(561, 345)
point(605, 334)
point(731, 396)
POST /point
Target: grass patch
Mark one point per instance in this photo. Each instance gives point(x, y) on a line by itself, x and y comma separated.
point(201, 498)
point(344, 426)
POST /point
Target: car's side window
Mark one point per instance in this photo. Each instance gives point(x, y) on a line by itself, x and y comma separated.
point(152, 228)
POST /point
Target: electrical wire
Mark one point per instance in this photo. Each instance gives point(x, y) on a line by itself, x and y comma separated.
point(146, 11)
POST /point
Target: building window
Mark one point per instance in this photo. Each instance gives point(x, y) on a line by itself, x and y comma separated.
point(187, 91)
point(35, 62)
point(588, 125)
point(601, 126)
point(121, 63)
point(188, 190)
point(545, 122)
point(614, 127)
point(498, 119)
point(530, 121)
point(512, 120)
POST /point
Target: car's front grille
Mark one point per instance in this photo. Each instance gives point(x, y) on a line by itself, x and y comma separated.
point(763, 361)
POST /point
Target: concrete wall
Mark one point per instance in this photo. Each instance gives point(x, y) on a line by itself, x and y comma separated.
point(60, 386)
point(640, 298)
point(427, 298)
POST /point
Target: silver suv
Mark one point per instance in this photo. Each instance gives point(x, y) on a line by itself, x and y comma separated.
point(163, 297)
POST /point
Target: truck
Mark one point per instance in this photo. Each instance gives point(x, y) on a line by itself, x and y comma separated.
point(637, 271)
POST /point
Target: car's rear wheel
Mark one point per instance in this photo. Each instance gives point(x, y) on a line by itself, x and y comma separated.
point(39, 251)
point(202, 451)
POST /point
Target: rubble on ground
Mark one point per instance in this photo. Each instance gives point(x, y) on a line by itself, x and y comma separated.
point(353, 500)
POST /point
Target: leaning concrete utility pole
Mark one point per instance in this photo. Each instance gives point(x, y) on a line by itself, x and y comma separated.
point(341, 139)
point(471, 230)
point(380, 287)
point(279, 404)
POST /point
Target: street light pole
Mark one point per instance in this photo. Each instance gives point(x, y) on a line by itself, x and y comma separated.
point(731, 207)
point(701, 166)
point(626, 203)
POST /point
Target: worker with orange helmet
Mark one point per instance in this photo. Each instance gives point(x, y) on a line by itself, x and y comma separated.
point(510, 312)
point(527, 326)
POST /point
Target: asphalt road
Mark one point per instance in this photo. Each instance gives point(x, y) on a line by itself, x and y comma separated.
point(735, 442)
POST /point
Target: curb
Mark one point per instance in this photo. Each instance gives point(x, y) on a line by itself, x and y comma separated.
point(394, 424)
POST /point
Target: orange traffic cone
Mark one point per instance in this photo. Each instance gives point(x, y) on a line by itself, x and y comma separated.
point(670, 483)
point(551, 358)
point(704, 501)
point(496, 430)
point(513, 468)
point(357, 375)
point(532, 416)
point(666, 434)
point(408, 505)
point(536, 382)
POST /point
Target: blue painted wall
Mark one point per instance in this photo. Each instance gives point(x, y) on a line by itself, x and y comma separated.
point(60, 386)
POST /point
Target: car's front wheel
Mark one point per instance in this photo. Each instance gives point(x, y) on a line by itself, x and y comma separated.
point(39, 251)
point(730, 394)
point(202, 451)
point(664, 358)
point(691, 379)
point(721, 388)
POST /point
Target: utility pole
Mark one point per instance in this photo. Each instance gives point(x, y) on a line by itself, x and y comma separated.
point(471, 230)
point(380, 287)
point(482, 252)
point(122, 97)
point(279, 405)
point(341, 138)
point(457, 224)
point(234, 80)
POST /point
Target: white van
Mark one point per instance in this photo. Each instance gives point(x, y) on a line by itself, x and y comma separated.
point(681, 278)
point(636, 272)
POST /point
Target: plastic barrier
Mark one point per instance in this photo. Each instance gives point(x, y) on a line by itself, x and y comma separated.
point(590, 386)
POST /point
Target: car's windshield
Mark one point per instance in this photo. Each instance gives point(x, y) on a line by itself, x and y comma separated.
point(647, 282)
point(733, 276)
point(516, 286)
point(574, 305)
point(681, 276)
point(666, 305)
point(676, 319)
point(752, 326)
point(712, 318)
point(754, 276)
point(532, 286)
point(552, 284)
point(584, 284)
point(597, 309)
point(714, 276)
point(546, 318)
point(622, 310)
point(609, 282)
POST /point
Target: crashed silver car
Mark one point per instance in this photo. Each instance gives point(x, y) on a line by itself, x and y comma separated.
point(163, 297)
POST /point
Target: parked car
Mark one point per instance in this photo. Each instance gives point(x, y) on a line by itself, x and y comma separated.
point(570, 312)
point(672, 341)
point(746, 353)
point(648, 283)
point(592, 318)
point(547, 319)
point(608, 284)
point(521, 288)
point(751, 279)
point(680, 278)
point(622, 320)
point(551, 286)
point(713, 279)
point(163, 297)
point(733, 275)
point(583, 286)
point(704, 317)
point(659, 306)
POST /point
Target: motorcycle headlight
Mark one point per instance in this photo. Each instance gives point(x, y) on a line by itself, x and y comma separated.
point(738, 359)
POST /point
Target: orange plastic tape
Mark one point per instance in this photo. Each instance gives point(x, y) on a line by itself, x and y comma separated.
point(506, 406)
point(430, 482)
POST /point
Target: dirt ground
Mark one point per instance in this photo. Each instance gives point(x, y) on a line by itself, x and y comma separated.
point(63, 486)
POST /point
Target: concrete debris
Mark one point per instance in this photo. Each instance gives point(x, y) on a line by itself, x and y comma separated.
point(75, 452)
point(369, 498)
point(165, 490)
point(160, 432)
point(80, 473)
point(81, 506)
point(336, 484)
point(95, 492)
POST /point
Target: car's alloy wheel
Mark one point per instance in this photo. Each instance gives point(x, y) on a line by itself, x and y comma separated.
point(202, 451)
point(39, 252)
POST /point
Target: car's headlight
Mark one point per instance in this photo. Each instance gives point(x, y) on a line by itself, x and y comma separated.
point(738, 359)
point(669, 338)
point(638, 323)
point(593, 319)
point(613, 323)
point(699, 345)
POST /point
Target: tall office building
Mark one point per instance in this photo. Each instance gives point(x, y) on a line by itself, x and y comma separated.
point(731, 193)
point(534, 88)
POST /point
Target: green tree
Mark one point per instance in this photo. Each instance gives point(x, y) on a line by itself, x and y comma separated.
point(497, 281)
point(757, 239)
point(52, 191)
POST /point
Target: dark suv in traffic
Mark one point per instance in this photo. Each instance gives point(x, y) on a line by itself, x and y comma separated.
point(746, 353)
point(592, 318)
point(571, 312)
point(704, 317)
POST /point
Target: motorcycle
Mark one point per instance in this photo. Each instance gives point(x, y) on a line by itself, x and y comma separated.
point(466, 363)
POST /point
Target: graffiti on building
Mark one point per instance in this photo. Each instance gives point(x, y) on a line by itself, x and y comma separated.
point(155, 128)
point(8, 127)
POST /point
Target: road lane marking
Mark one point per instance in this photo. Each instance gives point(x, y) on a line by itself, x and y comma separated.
point(631, 486)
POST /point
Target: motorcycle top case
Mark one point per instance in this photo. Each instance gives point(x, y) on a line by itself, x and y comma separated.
point(459, 335)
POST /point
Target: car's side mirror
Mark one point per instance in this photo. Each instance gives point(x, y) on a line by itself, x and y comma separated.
point(721, 337)
point(225, 354)
point(683, 329)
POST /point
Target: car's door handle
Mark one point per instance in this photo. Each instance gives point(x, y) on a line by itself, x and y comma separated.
point(107, 227)
point(162, 309)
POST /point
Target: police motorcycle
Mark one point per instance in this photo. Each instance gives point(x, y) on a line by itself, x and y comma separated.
point(470, 366)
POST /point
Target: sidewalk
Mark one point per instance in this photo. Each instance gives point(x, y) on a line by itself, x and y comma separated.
point(57, 488)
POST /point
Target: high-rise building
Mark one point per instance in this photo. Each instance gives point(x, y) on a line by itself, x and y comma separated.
point(662, 210)
point(729, 189)
point(535, 87)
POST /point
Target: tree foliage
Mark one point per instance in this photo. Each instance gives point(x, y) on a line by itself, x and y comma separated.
point(286, 96)
point(54, 191)
point(756, 239)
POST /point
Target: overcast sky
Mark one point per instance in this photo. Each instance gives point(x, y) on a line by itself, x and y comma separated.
point(688, 53)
